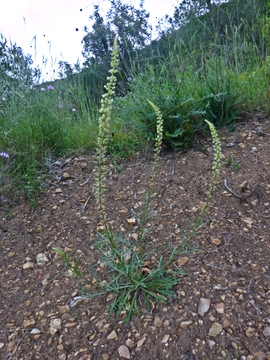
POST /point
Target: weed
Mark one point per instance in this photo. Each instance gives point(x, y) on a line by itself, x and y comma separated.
point(232, 163)
point(130, 282)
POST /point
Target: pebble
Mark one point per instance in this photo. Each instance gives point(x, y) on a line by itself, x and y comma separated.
point(266, 331)
point(215, 329)
point(219, 307)
point(165, 339)
point(216, 241)
point(28, 265)
point(105, 356)
point(158, 321)
point(130, 343)
point(141, 342)
point(185, 324)
point(112, 335)
point(41, 259)
point(211, 343)
point(65, 176)
point(182, 261)
point(204, 305)
point(124, 352)
point(259, 356)
point(27, 323)
point(55, 325)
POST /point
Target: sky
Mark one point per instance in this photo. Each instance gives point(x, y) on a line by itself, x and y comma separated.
point(46, 29)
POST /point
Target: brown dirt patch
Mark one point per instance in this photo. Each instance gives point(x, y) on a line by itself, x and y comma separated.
point(231, 267)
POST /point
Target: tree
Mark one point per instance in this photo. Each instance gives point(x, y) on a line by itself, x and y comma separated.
point(15, 68)
point(185, 12)
point(128, 23)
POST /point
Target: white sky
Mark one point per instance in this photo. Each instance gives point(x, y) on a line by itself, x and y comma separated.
point(25, 22)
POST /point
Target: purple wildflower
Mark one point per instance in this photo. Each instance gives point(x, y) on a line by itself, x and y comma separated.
point(42, 89)
point(50, 87)
point(4, 154)
point(74, 110)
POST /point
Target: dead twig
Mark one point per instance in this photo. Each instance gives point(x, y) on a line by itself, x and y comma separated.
point(231, 191)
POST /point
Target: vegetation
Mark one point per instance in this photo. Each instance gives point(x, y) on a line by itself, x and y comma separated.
point(211, 61)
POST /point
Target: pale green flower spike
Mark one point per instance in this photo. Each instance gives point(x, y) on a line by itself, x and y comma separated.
point(158, 140)
point(103, 135)
point(216, 164)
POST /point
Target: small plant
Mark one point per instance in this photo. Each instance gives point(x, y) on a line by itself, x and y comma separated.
point(232, 163)
point(133, 279)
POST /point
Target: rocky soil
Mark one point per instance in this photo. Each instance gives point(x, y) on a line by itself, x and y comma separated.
point(222, 307)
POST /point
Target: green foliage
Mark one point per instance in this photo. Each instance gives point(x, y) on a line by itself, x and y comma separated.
point(16, 73)
point(129, 24)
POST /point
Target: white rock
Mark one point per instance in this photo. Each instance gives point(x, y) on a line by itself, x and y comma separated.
point(165, 339)
point(112, 335)
point(204, 305)
point(35, 331)
point(28, 265)
point(140, 342)
point(124, 352)
point(55, 325)
point(266, 331)
point(41, 259)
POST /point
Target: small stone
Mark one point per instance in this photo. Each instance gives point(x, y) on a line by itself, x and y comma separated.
point(185, 324)
point(131, 221)
point(41, 259)
point(211, 343)
point(112, 335)
point(55, 325)
point(28, 265)
point(83, 165)
point(165, 339)
point(35, 331)
point(259, 356)
point(216, 241)
point(1, 345)
point(39, 229)
point(226, 323)
point(182, 261)
point(204, 305)
point(215, 329)
point(27, 323)
point(63, 309)
point(65, 176)
point(58, 190)
point(219, 307)
point(130, 343)
point(250, 332)
point(266, 331)
point(105, 356)
point(158, 321)
point(141, 342)
point(124, 352)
